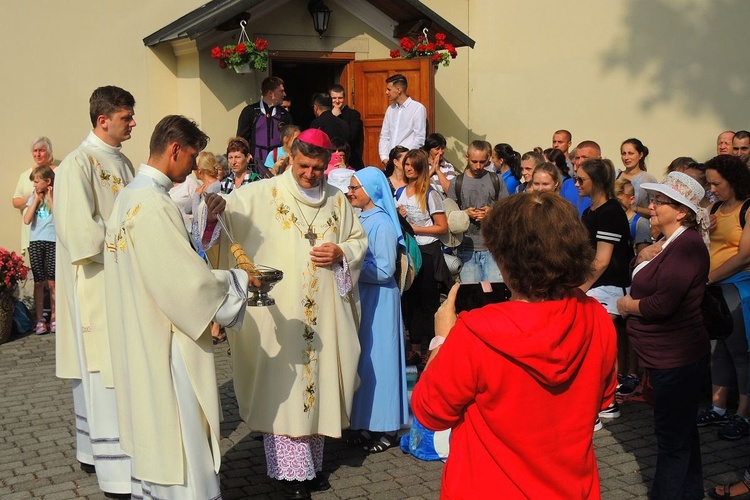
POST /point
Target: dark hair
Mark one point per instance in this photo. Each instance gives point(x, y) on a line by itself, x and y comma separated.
point(270, 83)
point(602, 174)
point(323, 101)
point(511, 158)
point(176, 128)
point(434, 140)
point(238, 144)
point(558, 158)
point(563, 131)
point(679, 164)
point(337, 88)
point(398, 80)
point(395, 152)
point(311, 151)
point(45, 172)
point(733, 170)
point(640, 148)
point(339, 143)
point(742, 134)
point(107, 101)
point(538, 263)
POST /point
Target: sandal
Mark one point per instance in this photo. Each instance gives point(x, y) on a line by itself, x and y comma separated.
point(221, 338)
point(727, 487)
point(358, 438)
point(381, 444)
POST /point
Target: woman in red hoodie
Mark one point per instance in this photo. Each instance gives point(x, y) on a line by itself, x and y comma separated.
point(542, 364)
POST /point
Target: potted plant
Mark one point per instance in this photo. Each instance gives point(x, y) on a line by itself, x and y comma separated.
point(12, 270)
point(243, 57)
point(438, 51)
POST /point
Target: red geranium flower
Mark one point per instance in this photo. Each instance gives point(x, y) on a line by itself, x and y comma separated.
point(430, 47)
point(216, 53)
point(436, 58)
point(407, 44)
point(241, 48)
point(440, 37)
point(261, 44)
point(395, 53)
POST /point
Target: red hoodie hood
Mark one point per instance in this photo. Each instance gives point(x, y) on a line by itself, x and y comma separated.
point(550, 339)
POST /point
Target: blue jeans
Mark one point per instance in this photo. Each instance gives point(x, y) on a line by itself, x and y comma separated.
point(478, 266)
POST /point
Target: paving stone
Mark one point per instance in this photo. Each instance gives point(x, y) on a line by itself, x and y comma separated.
point(37, 446)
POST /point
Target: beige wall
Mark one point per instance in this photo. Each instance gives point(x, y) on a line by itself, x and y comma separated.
point(54, 54)
point(664, 71)
point(658, 70)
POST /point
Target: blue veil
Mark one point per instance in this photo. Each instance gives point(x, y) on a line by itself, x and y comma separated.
point(376, 186)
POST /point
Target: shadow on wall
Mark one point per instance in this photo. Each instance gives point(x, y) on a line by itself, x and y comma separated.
point(691, 52)
point(456, 129)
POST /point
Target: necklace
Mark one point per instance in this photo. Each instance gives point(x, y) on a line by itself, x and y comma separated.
point(310, 235)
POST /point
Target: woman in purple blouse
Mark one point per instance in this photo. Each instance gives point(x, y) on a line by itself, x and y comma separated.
point(665, 326)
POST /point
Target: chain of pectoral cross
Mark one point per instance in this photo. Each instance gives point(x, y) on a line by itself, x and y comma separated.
point(311, 236)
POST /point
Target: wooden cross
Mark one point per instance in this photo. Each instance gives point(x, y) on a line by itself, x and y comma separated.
point(311, 236)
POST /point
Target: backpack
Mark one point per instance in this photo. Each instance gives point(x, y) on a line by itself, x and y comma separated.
point(460, 181)
point(412, 247)
point(743, 210)
point(21, 319)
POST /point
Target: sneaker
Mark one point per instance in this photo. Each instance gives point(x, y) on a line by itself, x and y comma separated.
point(628, 387)
point(41, 328)
point(737, 428)
point(710, 417)
point(612, 411)
point(598, 425)
point(53, 327)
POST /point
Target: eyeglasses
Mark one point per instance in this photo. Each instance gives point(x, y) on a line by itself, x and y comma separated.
point(580, 180)
point(352, 188)
point(659, 201)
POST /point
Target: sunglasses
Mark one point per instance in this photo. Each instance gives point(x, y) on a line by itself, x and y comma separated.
point(580, 180)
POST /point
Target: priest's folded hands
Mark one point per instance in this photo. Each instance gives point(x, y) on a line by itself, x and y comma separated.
point(326, 254)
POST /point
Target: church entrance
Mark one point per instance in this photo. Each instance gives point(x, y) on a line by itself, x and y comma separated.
point(307, 73)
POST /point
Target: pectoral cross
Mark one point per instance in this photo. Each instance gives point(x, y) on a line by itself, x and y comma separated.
point(311, 236)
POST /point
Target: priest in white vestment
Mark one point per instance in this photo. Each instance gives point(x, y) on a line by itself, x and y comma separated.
point(161, 298)
point(295, 362)
point(86, 184)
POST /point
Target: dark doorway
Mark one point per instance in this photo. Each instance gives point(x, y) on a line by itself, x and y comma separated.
point(302, 80)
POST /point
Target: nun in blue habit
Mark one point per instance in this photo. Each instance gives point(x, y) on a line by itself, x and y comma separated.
point(380, 406)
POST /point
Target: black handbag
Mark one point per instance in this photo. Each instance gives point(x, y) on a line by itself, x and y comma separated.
point(716, 316)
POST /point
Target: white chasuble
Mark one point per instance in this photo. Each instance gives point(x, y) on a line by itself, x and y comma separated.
point(295, 363)
point(159, 291)
point(86, 184)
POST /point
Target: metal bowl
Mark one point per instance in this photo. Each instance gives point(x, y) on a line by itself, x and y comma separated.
point(258, 296)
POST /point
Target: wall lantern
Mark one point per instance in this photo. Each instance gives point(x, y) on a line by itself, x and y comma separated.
point(321, 14)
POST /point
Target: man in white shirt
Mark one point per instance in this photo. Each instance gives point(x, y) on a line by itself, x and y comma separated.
point(405, 122)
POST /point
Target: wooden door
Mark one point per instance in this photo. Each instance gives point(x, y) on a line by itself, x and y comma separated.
point(368, 95)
